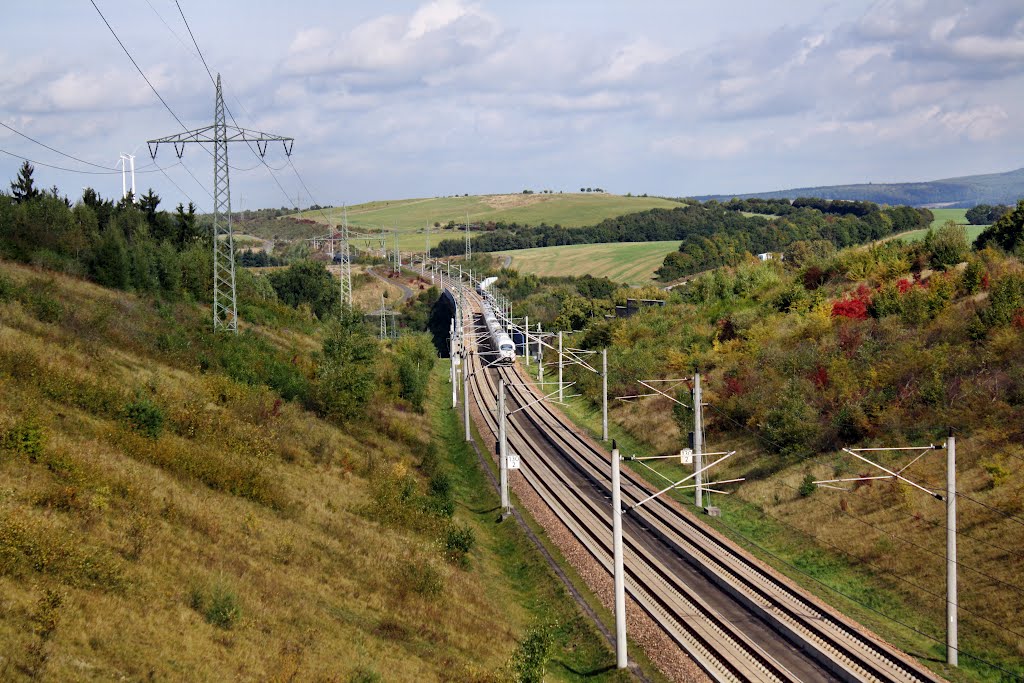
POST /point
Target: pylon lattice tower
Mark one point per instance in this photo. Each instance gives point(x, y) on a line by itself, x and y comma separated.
point(225, 301)
point(345, 265)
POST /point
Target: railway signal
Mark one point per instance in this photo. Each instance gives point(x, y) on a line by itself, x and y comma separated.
point(952, 647)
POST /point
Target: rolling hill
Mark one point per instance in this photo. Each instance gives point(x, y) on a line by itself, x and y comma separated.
point(412, 216)
point(965, 191)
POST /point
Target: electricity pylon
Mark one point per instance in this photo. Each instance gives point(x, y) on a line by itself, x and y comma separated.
point(225, 303)
point(345, 273)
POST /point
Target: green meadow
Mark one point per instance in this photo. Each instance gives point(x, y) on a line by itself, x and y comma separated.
point(413, 216)
point(628, 262)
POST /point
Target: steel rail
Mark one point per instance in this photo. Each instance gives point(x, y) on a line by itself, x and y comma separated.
point(836, 642)
point(714, 643)
point(839, 643)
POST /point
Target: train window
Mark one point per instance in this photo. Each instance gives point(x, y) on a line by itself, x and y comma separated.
point(506, 347)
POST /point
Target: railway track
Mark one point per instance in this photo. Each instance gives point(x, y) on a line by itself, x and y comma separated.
point(735, 618)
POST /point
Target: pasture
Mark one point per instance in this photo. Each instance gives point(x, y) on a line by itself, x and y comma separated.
point(632, 263)
point(943, 215)
point(412, 216)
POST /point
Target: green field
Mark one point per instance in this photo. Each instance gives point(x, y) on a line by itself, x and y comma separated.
point(411, 216)
point(943, 215)
point(628, 262)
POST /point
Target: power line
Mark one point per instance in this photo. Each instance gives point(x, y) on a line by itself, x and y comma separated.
point(72, 170)
point(891, 573)
point(959, 563)
point(137, 67)
point(202, 58)
point(173, 32)
point(171, 180)
point(766, 440)
point(192, 35)
point(858, 602)
point(198, 182)
point(310, 194)
point(52, 149)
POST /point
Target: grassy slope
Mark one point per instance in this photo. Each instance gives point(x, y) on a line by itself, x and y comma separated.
point(114, 545)
point(412, 215)
point(941, 216)
point(630, 263)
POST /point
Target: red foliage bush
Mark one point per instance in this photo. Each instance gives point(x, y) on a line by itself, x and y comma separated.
point(855, 307)
point(733, 386)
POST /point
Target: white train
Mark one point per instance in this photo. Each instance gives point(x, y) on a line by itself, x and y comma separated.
point(501, 342)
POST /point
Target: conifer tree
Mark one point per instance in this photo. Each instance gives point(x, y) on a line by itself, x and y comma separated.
point(24, 189)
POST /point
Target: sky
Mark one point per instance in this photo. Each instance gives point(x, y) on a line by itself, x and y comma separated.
point(402, 99)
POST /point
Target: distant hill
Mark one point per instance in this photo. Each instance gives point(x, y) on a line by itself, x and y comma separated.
point(967, 191)
point(569, 209)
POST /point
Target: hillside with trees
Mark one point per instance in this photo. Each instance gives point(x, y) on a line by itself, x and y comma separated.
point(716, 234)
point(889, 345)
point(961, 192)
point(292, 502)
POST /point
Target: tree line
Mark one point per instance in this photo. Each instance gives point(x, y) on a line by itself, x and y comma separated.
point(715, 234)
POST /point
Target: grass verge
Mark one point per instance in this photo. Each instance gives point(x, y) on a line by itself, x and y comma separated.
point(577, 651)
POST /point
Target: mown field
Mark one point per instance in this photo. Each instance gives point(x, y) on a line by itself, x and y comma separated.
point(411, 216)
point(631, 263)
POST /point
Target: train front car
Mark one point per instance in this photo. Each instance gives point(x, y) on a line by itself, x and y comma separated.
point(505, 348)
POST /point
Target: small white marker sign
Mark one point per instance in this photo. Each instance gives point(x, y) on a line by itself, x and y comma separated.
point(686, 456)
point(512, 461)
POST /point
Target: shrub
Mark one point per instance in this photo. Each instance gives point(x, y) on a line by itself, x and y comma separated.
point(854, 306)
point(419, 578)
point(345, 377)
point(27, 437)
point(1006, 301)
point(439, 495)
point(791, 426)
point(30, 545)
point(416, 357)
point(948, 245)
point(807, 486)
point(530, 658)
point(37, 299)
point(458, 542)
point(144, 416)
point(219, 604)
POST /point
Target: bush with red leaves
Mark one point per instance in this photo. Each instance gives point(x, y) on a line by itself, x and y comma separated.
point(854, 307)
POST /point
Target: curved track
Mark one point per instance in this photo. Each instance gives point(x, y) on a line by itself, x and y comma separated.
point(738, 620)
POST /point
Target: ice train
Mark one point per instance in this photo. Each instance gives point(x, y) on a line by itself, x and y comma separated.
point(500, 340)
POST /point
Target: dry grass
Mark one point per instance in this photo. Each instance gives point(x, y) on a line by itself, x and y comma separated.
point(114, 542)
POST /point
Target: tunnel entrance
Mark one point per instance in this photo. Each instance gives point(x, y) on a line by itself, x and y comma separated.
point(441, 315)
